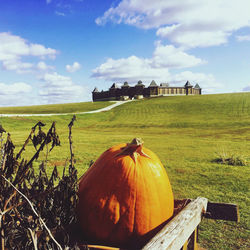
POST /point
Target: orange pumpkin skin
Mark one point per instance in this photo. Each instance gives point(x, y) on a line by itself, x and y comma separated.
point(124, 196)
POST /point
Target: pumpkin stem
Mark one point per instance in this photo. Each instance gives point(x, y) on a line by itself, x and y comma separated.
point(134, 149)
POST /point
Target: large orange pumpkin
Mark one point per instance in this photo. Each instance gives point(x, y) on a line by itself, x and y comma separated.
point(124, 196)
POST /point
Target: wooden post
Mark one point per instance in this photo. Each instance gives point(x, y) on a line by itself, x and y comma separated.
point(191, 243)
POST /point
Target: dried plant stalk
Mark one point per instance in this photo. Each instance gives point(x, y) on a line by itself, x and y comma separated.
point(36, 210)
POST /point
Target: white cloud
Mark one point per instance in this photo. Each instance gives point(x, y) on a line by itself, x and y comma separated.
point(247, 88)
point(243, 38)
point(191, 38)
point(171, 57)
point(14, 94)
point(74, 67)
point(129, 69)
point(40, 51)
point(42, 66)
point(17, 66)
point(60, 89)
point(25, 68)
point(164, 59)
point(192, 23)
point(14, 48)
point(15, 88)
point(59, 13)
point(48, 1)
point(132, 69)
point(157, 67)
point(206, 81)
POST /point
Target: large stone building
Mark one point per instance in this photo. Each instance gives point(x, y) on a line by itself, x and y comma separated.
point(139, 91)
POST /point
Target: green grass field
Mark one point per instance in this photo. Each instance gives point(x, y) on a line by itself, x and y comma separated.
point(55, 108)
point(187, 133)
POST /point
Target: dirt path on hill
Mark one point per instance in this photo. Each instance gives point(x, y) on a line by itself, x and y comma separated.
point(118, 103)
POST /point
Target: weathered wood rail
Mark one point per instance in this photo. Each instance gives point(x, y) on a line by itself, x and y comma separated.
point(176, 233)
point(181, 232)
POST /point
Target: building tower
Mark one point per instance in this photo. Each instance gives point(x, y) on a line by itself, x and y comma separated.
point(197, 89)
point(188, 88)
point(153, 89)
point(95, 94)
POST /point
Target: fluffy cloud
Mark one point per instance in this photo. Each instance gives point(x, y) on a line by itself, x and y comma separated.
point(171, 57)
point(17, 66)
point(58, 13)
point(60, 89)
point(157, 67)
point(191, 38)
point(129, 69)
point(132, 69)
point(14, 48)
point(247, 88)
point(24, 67)
point(207, 81)
point(193, 23)
point(15, 88)
point(14, 94)
point(243, 38)
point(73, 68)
point(164, 59)
point(42, 66)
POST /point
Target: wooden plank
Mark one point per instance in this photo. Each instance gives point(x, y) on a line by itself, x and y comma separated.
point(185, 246)
point(222, 211)
point(191, 243)
point(193, 240)
point(174, 235)
point(94, 247)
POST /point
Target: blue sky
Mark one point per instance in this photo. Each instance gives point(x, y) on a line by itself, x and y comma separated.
point(57, 51)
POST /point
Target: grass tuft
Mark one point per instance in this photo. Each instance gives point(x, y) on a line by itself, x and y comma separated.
point(231, 159)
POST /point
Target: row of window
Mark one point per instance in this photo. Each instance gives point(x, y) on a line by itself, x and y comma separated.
point(173, 91)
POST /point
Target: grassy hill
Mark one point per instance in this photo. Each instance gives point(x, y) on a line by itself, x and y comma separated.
point(54, 108)
point(187, 133)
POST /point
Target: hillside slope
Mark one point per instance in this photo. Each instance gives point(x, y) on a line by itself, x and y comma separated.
point(218, 111)
point(54, 108)
point(187, 133)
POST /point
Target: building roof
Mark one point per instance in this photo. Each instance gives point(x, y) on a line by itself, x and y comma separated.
point(95, 90)
point(125, 85)
point(164, 85)
point(140, 84)
point(114, 86)
point(188, 84)
point(153, 84)
point(197, 86)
